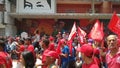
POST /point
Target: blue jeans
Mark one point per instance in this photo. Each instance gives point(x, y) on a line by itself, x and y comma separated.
point(64, 65)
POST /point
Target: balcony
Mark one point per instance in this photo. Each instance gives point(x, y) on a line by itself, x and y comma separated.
point(73, 9)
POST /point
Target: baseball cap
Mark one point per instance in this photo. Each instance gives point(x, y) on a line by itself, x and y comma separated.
point(51, 38)
point(52, 54)
point(87, 49)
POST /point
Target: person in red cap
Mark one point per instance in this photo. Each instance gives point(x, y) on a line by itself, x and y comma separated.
point(113, 55)
point(52, 44)
point(51, 57)
point(87, 56)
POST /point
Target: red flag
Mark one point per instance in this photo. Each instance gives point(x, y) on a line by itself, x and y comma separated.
point(81, 34)
point(58, 49)
point(102, 29)
point(71, 36)
point(97, 32)
point(73, 32)
point(114, 24)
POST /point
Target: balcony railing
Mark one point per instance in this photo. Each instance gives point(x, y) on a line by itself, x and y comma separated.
point(91, 0)
point(88, 10)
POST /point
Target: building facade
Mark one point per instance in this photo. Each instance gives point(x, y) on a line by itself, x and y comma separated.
point(50, 16)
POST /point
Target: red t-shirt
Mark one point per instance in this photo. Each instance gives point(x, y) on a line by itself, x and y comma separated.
point(5, 59)
point(22, 48)
point(113, 62)
point(30, 48)
point(52, 47)
point(44, 57)
point(91, 65)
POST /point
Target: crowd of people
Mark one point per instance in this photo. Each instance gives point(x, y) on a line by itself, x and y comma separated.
point(54, 52)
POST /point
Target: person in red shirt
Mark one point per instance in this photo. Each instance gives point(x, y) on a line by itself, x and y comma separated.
point(28, 45)
point(113, 55)
point(52, 44)
point(45, 45)
point(5, 60)
point(51, 57)
point(20, 48)
point(87, 56)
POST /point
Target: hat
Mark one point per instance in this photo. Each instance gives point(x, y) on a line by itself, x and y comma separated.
point(52, 54)
point(87, 49)
point(51, 38)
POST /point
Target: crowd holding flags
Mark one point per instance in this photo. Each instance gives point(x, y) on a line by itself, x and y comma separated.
point(64, 46)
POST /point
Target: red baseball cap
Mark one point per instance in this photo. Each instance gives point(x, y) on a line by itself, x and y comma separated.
point(87, 49)
point(52, 54)
point(51, 38)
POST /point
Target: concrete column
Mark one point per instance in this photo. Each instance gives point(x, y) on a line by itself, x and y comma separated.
point(93, 6)
point(10, 28)
point(106, 7)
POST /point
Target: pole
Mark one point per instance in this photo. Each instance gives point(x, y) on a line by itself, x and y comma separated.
point(93, 7)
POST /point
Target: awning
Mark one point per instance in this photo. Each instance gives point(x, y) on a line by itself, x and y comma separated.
point(64, 15)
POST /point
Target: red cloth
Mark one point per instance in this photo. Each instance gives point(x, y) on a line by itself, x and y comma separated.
point(5, 59)
point(81, 35)
point(97, 32)
point(91, 65)
point(53, 54)
point(87, 49)
point(58, 50)
point(71, 37)
point(73, 32)
point(114, 24)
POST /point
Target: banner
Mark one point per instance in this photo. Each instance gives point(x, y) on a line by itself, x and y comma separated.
point(114, 24)
point(97, 32)
point(36, 6)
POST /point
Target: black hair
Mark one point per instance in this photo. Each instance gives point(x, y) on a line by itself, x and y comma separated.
point(46, 42)
point(29, 59)
point(2, 44)
point(21, 41)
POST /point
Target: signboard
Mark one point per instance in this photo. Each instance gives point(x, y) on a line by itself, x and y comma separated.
point(36, 6)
